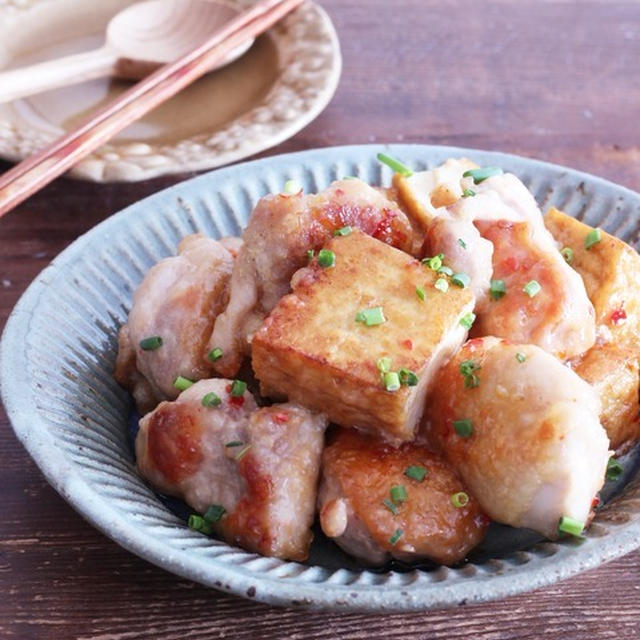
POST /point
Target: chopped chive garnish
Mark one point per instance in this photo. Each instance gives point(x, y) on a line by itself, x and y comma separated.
point(343, 231)
point(468, 319)
point(394, 164)
point(397, 534)
point(182, 383)
point(398, 493)
point(447, 271)
point(234, 443)
point(326, 258)
point(198, 523)
point(211, 400)
point(434, 262)
point(349, 177)
point(614, 469)
point(480, 175)
point(371, 317)
point(214, 513)
point(497, 289)
point(462, 243)
point(441, 285)
point(391, 381)
point(407, 378)
point(243, 452)
point(215, 354)
point(151, 343)
point(420, 293)
point(593, 237)
point(461, 280)
point(460, 499)
point(383, 364)
point(392, 507)
point(310, 254)
point(532, 288)
point(468, 193)
point(463, 428)
point(238, 387)
point(567, 254)
point(571, 526)
point(520, 357)
point(468, 369)
point(291, 187)
point(415, 472)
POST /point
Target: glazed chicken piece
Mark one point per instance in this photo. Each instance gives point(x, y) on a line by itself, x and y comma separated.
point(280, 233)
point(377, 502)
point(178, 302)
point(259, 467)
point(523, 432)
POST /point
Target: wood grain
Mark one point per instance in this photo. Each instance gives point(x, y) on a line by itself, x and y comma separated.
point(552, 79)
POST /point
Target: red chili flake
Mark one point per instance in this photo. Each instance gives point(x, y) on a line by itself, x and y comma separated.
point(407, 343)
point(228, 388)
point(596, 502)
point(281, 416)
point(339, 192)
point(618, 316)
point(236, 401)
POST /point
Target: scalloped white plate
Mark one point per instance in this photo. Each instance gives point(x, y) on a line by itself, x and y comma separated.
point(279, 86)
point(58, 352)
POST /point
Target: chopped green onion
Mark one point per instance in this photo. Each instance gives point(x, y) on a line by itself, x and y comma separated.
point(343, 231)
point(460, 499)
point(420, 293)
point(468, 319)
point(371, 317)
point(397, 534)
point(614, 469)
point(497, 289)
point(468, 193)
point(291, 187)
point(435, 262)
point(310, 254)
point(398, 493)
point(468, 369)
point(326, 258)
point(349, 177)
point(520, 357)
point(182, 383)
point(571, 526)
point(214, 513)
point(243, 452)
point(407, 378)
point(593, 237)
point(463, 428)
point(151, 344)
point(234, 443)
point(215, 354)
point(462, 243)
point(392, 507)
point(383, 364)
point(480, 175)
point(198, 523)
point(532, 288)
point(447, 271)
point(461, 280)
point(415, 472)
point(391, 381)
point(567, 254)
point(211, 400)
point(441, 285)
point(394, 164)
point(238, 387)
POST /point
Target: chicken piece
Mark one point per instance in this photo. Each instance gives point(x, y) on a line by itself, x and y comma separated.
point(315, 348)
point(281, 231)
point(260, 465)
point(610, 269)
point(555, 315)
point(613, 373)
point(358, 510)
point(522, 430)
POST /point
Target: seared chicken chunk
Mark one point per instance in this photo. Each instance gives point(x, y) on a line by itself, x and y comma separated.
point(361, 340)
point(522, 430)
point(280, 233)
point(259, 467)
point(378, 502)
point(175, 306)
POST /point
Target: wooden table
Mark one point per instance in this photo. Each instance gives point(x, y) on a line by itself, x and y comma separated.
point(552, 79)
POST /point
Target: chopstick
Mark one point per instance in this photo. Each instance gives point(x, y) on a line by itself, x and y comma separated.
point(35, 172)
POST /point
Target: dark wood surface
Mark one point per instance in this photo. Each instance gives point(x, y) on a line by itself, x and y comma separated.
point(552, 79)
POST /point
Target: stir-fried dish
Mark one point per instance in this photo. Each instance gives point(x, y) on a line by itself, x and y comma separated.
point(426, 357)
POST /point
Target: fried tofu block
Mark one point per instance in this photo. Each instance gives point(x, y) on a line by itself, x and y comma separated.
point(614, 374)
point(424, 191)
point(611, 272)
point(313, 349)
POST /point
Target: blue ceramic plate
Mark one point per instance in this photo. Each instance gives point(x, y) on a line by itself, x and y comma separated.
point(59, 347)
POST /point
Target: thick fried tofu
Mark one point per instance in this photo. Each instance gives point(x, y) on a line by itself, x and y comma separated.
point(611, 272)
point(313, 350)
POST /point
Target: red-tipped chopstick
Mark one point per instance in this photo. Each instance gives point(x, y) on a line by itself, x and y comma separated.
point(35, 172)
